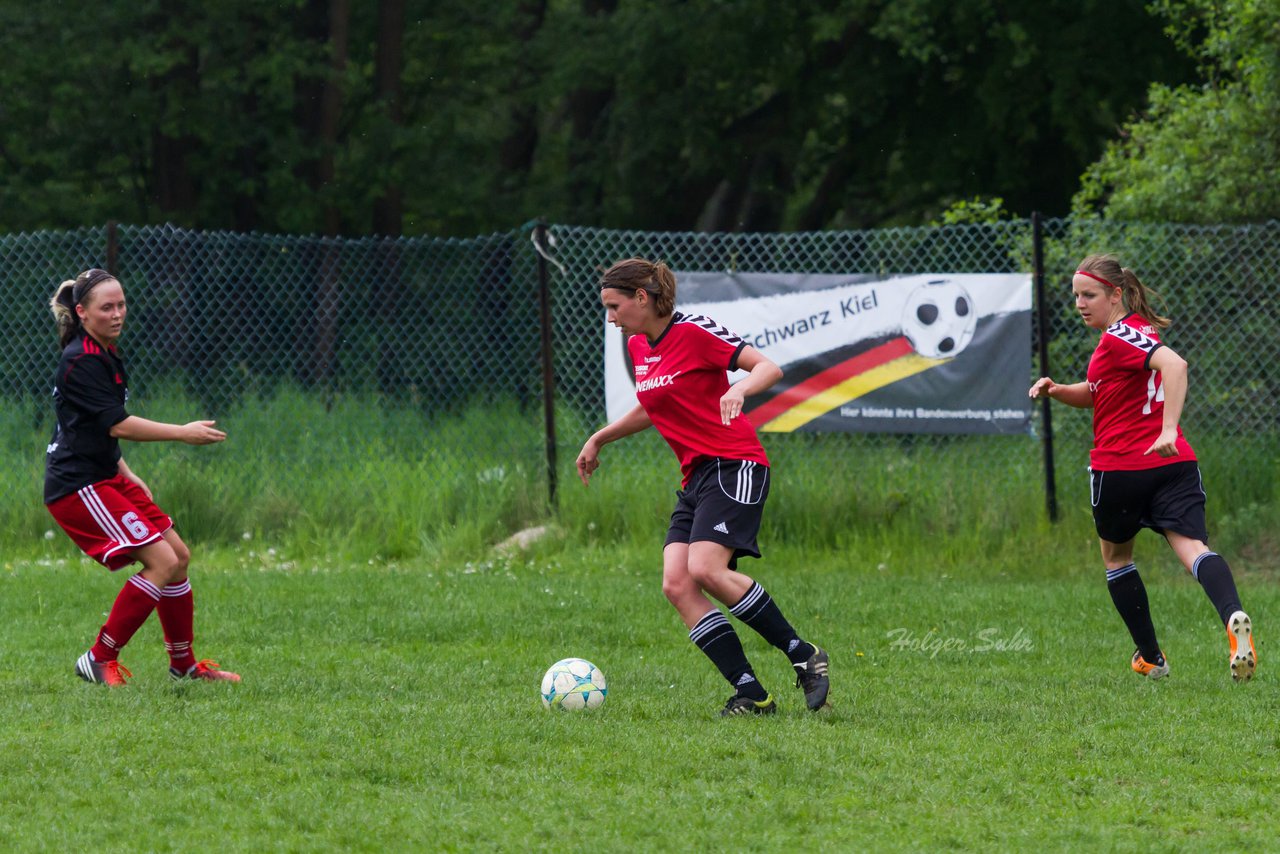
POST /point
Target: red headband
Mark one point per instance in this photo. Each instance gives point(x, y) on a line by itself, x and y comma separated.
point(1095, 277)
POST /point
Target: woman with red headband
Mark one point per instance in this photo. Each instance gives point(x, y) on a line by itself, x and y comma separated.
point(1143, 472)
point(98, 500)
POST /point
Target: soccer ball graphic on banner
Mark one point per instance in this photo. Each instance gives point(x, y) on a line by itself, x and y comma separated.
point(939, 319)
point(573, 683)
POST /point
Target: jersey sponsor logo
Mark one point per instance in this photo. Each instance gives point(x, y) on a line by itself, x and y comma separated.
point(656, 382)
point(1093, 387)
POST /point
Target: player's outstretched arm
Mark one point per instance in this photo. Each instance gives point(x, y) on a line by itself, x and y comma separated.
point(142, 430)
point(1076, 394)
point(589, 457)
point(1173, 381)
point(762, 374)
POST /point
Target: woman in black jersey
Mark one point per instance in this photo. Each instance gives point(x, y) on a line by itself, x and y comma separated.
point(97, 499)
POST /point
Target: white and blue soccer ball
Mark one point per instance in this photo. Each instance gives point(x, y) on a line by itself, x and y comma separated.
point(573, 683)
point(939, 319)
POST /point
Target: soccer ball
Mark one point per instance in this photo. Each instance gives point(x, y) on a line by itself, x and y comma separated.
point(573, 683)
point(939, 319)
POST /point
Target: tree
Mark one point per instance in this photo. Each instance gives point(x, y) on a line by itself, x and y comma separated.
point(457, 117)
point(1204, 152)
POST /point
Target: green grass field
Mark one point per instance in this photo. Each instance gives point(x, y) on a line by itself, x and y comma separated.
point(345, 565)
point(395, 707)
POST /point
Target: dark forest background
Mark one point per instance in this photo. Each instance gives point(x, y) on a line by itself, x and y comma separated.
point(462, 117)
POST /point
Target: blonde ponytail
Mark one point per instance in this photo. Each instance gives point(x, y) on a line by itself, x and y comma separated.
point(1138, 298)
point(63, 306)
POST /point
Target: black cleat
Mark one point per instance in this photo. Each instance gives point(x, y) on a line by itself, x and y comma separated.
point(811, 677)
point(740, 705)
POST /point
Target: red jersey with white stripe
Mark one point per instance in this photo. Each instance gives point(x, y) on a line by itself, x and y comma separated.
point(1128, 399)
point(680, 379)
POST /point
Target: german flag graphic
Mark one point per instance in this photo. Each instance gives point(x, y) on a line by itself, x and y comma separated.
point(930, 352)
point(834, 386)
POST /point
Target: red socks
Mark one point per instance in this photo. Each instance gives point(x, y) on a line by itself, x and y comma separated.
point(135, 603)
point(177, 615)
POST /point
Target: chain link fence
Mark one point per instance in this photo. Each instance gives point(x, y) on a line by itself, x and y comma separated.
point(427, 332)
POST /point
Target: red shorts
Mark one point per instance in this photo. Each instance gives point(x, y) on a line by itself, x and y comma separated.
point(110, 519)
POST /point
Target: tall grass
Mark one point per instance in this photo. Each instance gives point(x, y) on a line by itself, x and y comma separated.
point(348, 478)
point(356, 478)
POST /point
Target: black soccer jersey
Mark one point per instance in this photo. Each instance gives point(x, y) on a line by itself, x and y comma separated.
point(90, 389)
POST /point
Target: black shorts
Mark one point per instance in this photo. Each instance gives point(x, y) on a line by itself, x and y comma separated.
point(1165, 498)
point(723, 503)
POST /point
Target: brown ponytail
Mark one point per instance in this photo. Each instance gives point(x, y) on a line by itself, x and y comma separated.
point(1137, 297)
point(638, 274)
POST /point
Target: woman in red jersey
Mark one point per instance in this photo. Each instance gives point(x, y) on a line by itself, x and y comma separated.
point(1143, 472)
point(97, 499)
point(681, 366)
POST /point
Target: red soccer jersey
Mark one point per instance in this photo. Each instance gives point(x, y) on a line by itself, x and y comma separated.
point(1128, 399)
point(680, 379)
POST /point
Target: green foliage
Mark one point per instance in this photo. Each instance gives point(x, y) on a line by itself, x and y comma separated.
point(1199, 152)
point(978, 210)
point(747, 116)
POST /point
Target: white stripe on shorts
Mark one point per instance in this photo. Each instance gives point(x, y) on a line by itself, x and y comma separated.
point(746, 477)
point(100, 515)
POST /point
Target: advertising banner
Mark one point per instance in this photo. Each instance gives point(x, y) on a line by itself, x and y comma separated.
point(929, 353)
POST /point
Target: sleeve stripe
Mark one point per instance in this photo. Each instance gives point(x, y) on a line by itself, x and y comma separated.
point(714, 328)
point(1129, 335)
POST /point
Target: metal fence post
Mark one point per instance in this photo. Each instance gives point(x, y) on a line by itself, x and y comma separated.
point(548, 362)
point(113, 247)
point(1042, 322)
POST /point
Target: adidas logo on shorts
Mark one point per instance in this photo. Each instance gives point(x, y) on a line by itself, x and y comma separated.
point(722, 528)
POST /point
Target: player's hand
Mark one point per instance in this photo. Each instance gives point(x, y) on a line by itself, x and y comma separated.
point(137, 481)
point(731, 405)
point(201, 433)
point(588, 461)
point(1043, 386)
point(1166, 444)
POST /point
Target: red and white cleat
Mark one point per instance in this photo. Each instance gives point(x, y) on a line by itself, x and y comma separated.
point(205, 669)
point(111, 673)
